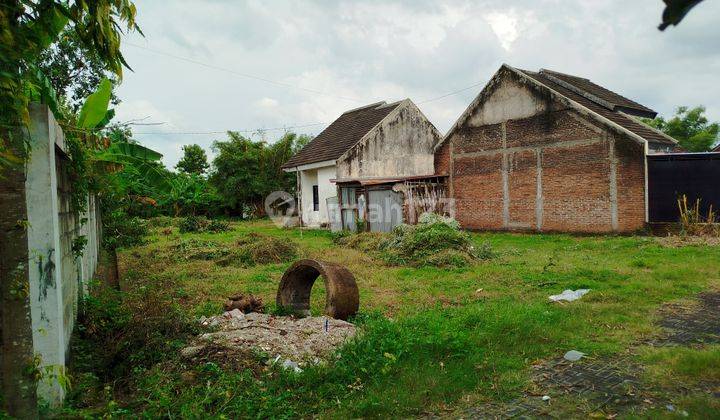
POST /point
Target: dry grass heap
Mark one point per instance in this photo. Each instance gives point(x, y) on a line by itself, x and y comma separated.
point(433, 241)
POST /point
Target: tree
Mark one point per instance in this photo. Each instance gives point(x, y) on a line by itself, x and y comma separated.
point(194, 160)
point(29, 28)
point(73, 70)
point(245, 172)
point(690, 127)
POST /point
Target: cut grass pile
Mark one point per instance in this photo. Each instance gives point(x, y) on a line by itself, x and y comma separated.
point(429, 338)
point(435, 241)
point(198, 224)
point(248, 251)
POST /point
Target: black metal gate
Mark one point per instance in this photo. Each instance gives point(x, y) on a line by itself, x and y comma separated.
point(670, 176)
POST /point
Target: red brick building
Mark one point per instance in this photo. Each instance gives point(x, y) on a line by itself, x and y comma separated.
point(548, 151)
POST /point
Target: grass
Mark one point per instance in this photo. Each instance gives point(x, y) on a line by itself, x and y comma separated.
point(430, 337)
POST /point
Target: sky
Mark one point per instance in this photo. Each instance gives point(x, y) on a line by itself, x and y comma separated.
point(264, 67)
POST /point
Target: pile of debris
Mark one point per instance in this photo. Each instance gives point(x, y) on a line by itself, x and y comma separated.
point(292, 342)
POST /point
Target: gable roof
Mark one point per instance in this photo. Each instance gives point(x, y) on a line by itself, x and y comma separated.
point(604, 105)
point(346, 131)
point(617, 115)
point(717, 148)
point(598, 94)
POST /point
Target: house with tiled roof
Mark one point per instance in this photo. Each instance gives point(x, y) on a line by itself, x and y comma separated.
point(365, 150)
point(548, 151)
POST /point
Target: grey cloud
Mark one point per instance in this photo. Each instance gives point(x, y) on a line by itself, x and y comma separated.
point(393, 49)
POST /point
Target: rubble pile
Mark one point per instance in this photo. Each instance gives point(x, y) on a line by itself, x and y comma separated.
point(290, 341)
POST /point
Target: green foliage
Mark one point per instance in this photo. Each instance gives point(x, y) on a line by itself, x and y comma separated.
point(73, 71)
point(435, 241)
point(119, 333)
point(194, 160)
point(217, 226)
point(193, 224)
point(28, 30)
point(189, 194)
point(245, 172)
point(690, 127)
point(122, 231)
point(199, 224)
point(95, 107)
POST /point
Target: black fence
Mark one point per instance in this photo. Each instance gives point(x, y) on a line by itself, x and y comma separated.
point(670, 176)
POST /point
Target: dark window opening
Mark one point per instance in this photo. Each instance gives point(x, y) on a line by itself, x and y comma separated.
point(316, 198)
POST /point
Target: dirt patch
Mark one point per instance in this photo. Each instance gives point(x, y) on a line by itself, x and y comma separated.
point(679, 241)
point(301, 340)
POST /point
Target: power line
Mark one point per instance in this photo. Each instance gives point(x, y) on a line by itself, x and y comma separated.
point(248, 76)
point(256, 130)
point(287, 85)
point(437, 98)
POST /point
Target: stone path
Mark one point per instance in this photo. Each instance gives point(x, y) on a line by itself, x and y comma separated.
point(610, 386)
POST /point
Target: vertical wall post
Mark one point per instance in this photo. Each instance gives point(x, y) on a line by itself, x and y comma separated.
point(44, 254)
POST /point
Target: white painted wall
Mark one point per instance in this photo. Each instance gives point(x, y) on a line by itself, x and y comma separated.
point(326, 189)
point(55, 276)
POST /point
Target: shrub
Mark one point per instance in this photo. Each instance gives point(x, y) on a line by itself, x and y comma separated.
point(120, 332)
point(193, 224)
point(217, 226)
point(120, 230)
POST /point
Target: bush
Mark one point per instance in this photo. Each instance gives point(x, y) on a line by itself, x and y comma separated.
point(121, 230)
point(193, 224)
point(217, 226)
point(121, 332)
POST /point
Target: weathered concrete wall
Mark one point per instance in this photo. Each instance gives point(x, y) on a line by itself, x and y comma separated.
point(401, 145)
point(54, 276)
point(523, 161)
point(326, 189)
point(16, 347)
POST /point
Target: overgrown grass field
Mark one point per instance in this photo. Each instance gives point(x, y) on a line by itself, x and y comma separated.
point(431, 339)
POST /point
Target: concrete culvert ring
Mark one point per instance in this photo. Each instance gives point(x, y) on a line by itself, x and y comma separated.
point(342, 298)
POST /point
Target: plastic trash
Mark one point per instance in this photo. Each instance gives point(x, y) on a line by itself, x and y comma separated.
point(569, 295)
point(546, 398)
point(573, 355)
point(289, 364)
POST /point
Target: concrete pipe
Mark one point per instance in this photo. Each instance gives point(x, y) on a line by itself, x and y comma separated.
point(341, 292)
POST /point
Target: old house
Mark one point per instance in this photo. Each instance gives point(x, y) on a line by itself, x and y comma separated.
point(547, 151)
point(360, 167)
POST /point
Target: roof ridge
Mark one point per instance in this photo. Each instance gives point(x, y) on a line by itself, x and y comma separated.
point(379, 104)
point(545, 71)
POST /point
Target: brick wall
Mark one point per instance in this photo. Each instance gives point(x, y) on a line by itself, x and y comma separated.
point(554, 171)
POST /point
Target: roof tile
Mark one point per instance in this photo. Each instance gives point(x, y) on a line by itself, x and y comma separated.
point(342, 134)
point(619, 118)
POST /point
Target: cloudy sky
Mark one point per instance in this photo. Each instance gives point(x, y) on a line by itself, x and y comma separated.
point(205, 67)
